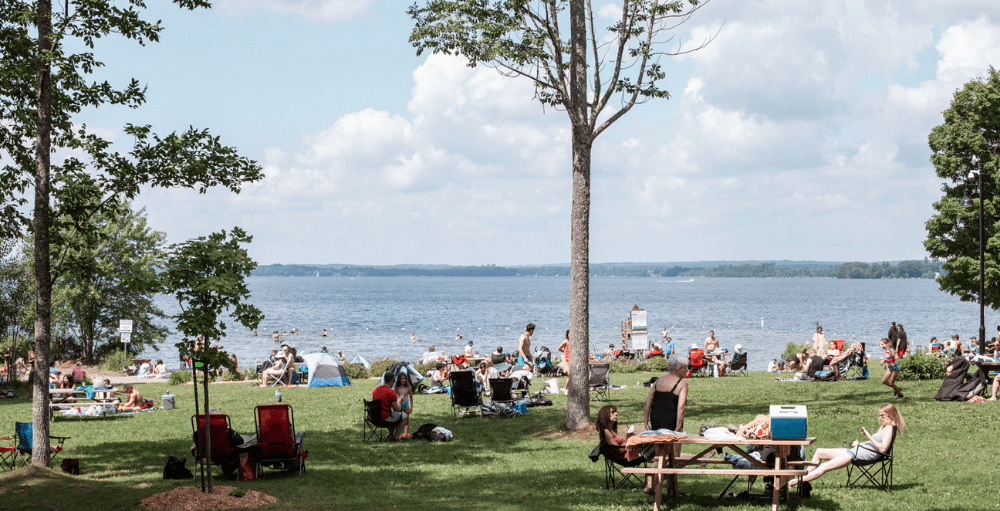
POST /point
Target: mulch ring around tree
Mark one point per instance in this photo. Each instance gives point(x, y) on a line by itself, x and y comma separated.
point(191, 498)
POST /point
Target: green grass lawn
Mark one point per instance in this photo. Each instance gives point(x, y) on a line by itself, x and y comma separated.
point(946, 459)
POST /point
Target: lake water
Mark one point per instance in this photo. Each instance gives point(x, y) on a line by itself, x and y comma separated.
point(374, 316)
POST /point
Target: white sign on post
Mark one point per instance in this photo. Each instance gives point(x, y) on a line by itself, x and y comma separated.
point(125, 325)
point(639, 339)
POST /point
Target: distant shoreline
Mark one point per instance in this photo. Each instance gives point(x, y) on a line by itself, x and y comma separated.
point(777, 269)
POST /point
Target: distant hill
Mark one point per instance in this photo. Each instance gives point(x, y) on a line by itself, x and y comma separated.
point(746, 269)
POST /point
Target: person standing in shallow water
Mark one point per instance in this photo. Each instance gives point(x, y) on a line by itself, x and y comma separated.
point(819, 340)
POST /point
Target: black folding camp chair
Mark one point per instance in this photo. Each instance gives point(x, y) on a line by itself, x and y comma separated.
point(374, 424)
point(613, 464)
point(858, 369)
point(739, 366)
point(464, 393)
point(502, 401)
point(878, 472)
point(600, 389)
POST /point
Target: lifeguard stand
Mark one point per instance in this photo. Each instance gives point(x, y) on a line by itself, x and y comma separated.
point(634, 332)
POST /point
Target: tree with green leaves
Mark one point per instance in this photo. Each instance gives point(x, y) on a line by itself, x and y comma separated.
point(44, 82)
point(595, 75)
point(16, 292)
point(107, 275)
point(207, 277)
point(966, 144)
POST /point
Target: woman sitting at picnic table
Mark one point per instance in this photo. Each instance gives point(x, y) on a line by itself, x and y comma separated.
point(134, 401)
point(613, 444)
point(67, 383)
point(889, 421)
point(665, 405)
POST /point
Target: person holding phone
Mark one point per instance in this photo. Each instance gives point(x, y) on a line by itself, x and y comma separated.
point(890, 422)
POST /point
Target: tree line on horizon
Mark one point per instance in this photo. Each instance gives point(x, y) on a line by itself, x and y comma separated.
point(915, 269)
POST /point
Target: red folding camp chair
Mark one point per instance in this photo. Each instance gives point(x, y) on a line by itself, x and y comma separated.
point(222, 454)
point(696, 363)
point(280, 448)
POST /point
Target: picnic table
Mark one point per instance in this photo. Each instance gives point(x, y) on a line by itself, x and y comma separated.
point(668, 466)
point(102, 398)
point(989, 367)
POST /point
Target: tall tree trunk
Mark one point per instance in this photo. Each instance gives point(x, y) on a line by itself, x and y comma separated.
point(208, 431)
point(43, 278)
point(578, 397)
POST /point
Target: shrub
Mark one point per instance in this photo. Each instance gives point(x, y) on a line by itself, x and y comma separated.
point(237, 493)
point(423, 368)
point(113, 362)
point(379, 366)
point(792, 349)
point(625, 366)
point(355, 371)
point(657, 364)
point(232, 376)
point(921, 367)
point(179, 377)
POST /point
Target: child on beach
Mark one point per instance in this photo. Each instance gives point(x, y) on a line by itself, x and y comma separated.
point(891, 366)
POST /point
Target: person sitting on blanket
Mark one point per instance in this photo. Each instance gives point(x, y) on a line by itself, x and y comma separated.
point(441, 373)
point(607, 434)
point(667, 399)
point(160, 369)
point(134, 401)
point(392, 409)
point(877, 444)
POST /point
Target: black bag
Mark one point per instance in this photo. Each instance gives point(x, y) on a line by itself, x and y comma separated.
point(175, 469)
point(426, 432)
point(71, 466)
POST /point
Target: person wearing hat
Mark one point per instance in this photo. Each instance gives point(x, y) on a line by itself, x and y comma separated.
point(725, 365)
point(468, 350)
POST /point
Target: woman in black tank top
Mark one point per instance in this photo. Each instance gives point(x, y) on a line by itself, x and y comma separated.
point(667, 399)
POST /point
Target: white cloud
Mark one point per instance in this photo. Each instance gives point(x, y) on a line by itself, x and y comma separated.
point(794, 138)
point(326, 10)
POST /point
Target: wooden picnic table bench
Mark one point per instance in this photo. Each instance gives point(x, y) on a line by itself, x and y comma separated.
point(103, 398)
point(669, 466)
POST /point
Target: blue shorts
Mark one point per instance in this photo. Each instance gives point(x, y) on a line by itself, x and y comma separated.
point(892, 367)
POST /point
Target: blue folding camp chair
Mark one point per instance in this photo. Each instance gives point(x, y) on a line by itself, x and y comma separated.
point(24, 433)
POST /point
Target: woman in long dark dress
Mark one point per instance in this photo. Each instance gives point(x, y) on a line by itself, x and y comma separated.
point(958, 384)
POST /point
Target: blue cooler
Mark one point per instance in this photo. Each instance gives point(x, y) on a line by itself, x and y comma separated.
point(521, 408)
point(788, 421)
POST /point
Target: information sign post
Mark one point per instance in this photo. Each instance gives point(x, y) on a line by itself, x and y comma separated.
point(125, 328)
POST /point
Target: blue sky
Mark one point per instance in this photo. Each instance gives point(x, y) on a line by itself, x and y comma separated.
point(799, 133)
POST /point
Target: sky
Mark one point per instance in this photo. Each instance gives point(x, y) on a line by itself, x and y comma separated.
point(798, 133)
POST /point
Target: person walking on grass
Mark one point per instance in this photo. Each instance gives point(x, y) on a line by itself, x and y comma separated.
point(891, 366)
